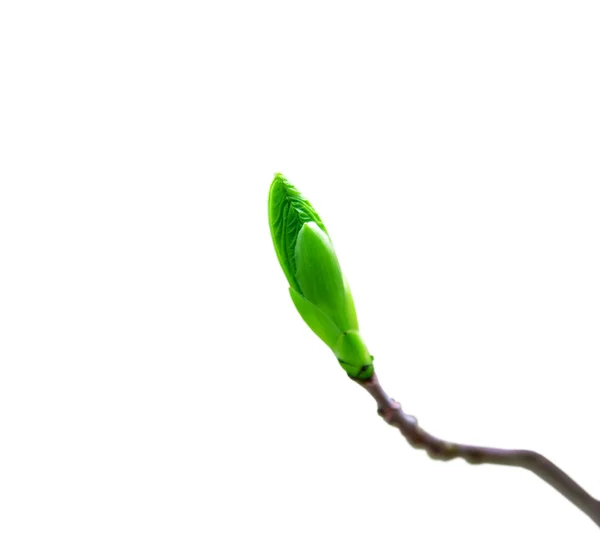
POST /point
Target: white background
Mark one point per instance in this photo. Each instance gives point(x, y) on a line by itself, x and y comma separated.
point(158, 389)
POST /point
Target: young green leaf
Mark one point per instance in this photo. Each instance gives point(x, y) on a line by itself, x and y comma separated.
point(319, 275)
point(288, 212)
point(318, 287)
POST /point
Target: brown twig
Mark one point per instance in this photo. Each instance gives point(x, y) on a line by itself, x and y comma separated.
point(436, 448)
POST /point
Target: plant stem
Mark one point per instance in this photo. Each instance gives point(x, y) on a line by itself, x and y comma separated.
point(436, 448)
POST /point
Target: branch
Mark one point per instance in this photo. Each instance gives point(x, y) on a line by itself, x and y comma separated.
point(436, 448)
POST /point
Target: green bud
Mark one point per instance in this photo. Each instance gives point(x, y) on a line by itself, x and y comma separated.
point(317, 285)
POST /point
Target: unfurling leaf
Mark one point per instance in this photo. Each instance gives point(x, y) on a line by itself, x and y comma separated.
point(317, 285)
